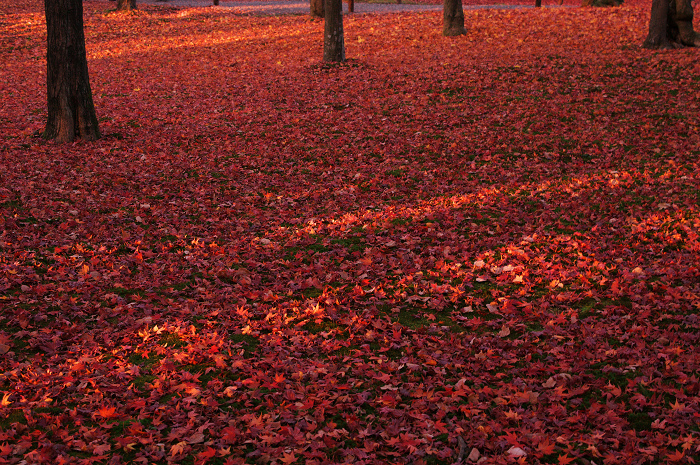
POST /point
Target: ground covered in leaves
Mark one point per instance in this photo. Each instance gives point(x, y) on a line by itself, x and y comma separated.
point(481, 248)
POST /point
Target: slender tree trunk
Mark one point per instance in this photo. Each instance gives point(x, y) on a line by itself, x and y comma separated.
point(333, 38)
point(71, 112)
point(351, 6)
point(453, 18)
point(126, 5)
point(317, 10)
point(538, 3)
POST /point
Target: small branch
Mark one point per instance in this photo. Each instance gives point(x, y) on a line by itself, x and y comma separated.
point(462, 449)
point(460, 441)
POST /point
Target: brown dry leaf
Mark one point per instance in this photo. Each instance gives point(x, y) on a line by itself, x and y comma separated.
point(505, 331)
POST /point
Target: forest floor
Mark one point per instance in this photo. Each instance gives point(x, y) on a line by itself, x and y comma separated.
point(276, 7)
point(373, 6)
point(482, 248)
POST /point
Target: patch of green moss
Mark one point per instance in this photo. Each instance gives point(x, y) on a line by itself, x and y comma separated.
point(172, 340)
point(15, 416)
point(640, 421)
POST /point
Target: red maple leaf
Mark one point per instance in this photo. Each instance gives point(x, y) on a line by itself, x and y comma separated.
point(545, 447)
point(676, 456)
point(229, 434)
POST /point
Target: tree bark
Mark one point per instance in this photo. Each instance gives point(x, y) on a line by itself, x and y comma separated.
point(658, 26)
point(681, 12)
point(333, 38)
point(453, 18)
point(126, 5)
point(538, 3)
point(671, 25)
point(601, 3)
point(317, 10)
point(71, 112)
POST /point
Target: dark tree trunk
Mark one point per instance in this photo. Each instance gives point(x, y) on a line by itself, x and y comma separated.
point(317, 10)
point(453, 18)
point(69, 97)
point(601, 3)
point(216, 2)
point(351, 6)
point(658, 26)
point(333, 38)
point(538, 3)
point(671, 25)
point(126, 5)
point(681, 12)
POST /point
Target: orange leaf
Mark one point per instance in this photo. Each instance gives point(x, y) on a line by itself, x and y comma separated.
point(107, 412)
point(178, 448)
point(564, 459)
point(288, 458)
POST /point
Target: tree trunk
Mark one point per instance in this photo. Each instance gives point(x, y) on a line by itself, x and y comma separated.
point(681, 12)
point(71, 112)
point(351, 6)
point(671, 25)
point(317, 10)
point(333, 38)
point(453, 18)
point(126, 5)
point(658, 26)
point(538, 3)
point(601, 3)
